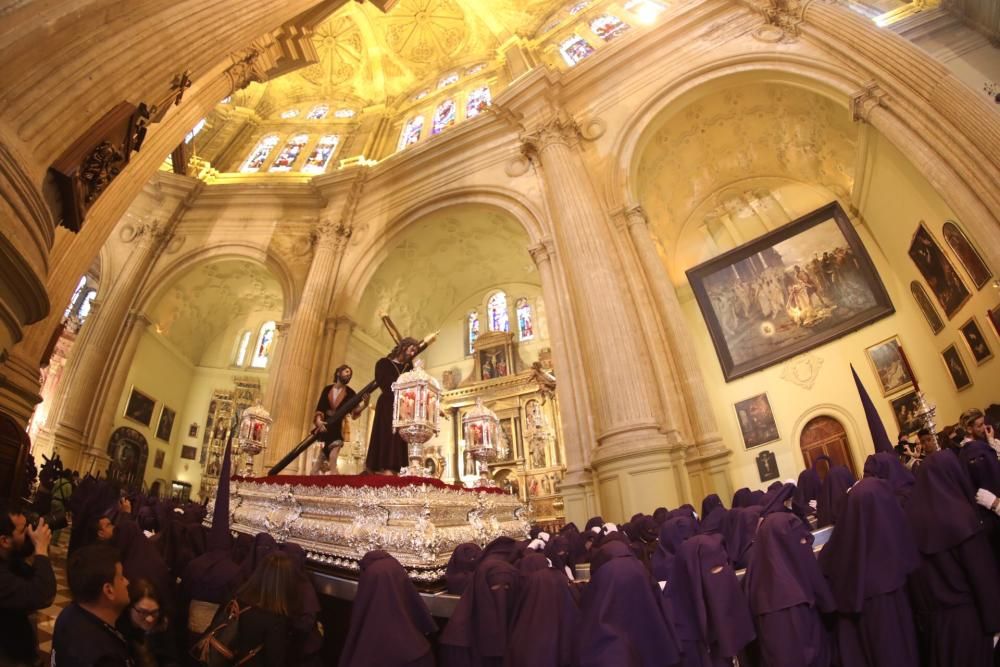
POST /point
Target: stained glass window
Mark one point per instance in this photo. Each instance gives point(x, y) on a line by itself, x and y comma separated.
point(443, 116)
point(76, 295)
point(344, 113)
point(473, 330)
point(259, 155)
point(475, 69)
point(448, 80)
point(320, 156)
point(318, 112)
point(411, 131)
point(575, 49)
point(645, 10)
point(579, 7)
point(195, 130)
point(496, 311)
point(421, 95)
point(84, 310)
point(265, 342)
point(291, 113)
point(607, 27)
point(286, 158)
point(525, 323)
point(477, 102)
point(241, 348)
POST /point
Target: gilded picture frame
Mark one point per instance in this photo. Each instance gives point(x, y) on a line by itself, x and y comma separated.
point(975, 341)
point(955, 365)
point(756, 421)
point(938, 271)
point(889, 366)
point(139, 406)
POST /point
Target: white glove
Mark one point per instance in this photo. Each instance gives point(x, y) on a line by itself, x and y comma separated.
point(610, 528)
point(987, 500)
point(536, 544)
point(812, 504)
point(543, 536)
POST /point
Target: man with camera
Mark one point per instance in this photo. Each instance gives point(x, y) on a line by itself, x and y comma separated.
point(27, 583)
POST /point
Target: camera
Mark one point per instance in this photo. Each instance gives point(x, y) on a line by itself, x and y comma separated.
point(53, 521)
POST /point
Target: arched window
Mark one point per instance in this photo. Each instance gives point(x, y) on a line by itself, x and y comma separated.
point(574, 49)
point(318, 112)
point(76, 297)
point(475, 69)
point(259, 155)
point(344, 113)
point(85, 303)
point(195, 130)
point(291, 113)
point(290, 153)
point(242, 345)
point(496, 312)
point(472, 330)
point(411, 132)
point(525, 322)
point(265, 342)
point(607, 27)
point(578, 7)
point(443, 116)
point(421, 95)
point(645, 10)
point(320, 156)
point(448, 80)
point(479, 99)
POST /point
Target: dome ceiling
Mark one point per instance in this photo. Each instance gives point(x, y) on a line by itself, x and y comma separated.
point(203, 303)
point(370, 56)
point(459, 253)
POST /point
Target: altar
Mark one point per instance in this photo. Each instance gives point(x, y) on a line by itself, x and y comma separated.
point(337, 519)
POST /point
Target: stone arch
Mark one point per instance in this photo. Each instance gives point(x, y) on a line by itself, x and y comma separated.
point(129, 452)
point(854, 437)
point(290, 292)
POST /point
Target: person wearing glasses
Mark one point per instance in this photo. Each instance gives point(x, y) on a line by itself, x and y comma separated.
point(147, 629)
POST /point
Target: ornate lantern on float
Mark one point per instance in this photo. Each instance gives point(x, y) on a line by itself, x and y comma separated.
point(483, 439)
point(255, 426)
point(415, 411)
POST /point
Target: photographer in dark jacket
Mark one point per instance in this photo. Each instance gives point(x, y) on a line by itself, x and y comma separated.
point(27, 584)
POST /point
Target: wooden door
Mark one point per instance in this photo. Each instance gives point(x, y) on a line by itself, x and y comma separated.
point(825, 435)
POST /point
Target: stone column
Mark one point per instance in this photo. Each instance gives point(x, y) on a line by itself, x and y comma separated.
point(291, 392)
point(631, 461)
point(87, 373)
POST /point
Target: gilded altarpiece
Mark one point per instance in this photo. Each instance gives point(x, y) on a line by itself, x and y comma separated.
point(225, 404)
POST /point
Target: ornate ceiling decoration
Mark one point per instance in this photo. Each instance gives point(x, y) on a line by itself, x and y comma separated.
point(459, 253)
point(210, 299)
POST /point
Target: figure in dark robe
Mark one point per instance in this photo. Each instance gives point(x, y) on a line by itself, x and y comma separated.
point(386, 449)
point(478, 630)
point(956, 590)
point(831, 496)
point(330, 432)
point(886, 465)
point(543, 628)
point(866, 562)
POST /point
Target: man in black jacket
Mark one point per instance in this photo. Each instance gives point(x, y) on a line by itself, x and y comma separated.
point(27, 584)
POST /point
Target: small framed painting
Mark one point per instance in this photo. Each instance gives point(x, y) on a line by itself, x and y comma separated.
point(189, 452)
point(906, 409)
point(976, 341)
point(757, 423)
point(158, 459)
point(926, 307)
point(891, 369)
point(166, 423)
point(767, 466)
point(956, 367)
point(140, 407)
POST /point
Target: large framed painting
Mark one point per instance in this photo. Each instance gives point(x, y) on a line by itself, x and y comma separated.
point(188, 452)
point(757, 423)
point(976, 341)
point(793, 289)
point(956, 367)
point(967, 254)
point(926, 307)
point(937, 270)
point(166, 424)
point(890, 368)
point(140, 407)
point(906, 410)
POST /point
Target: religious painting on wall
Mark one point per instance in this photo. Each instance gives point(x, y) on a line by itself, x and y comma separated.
point(767, 466)
point(956, 367)
point(967, 254)
point(140, 407)
point(976, 341)
point(189, 452)
point(510, 439)
point(756, 421)
point(994, 316)
point(936, 268)
point(493, 364)
point(166, 423)
point(793, 289)
point(906, 410)
point(891, 369)
point(926, 307)
point(158, 459)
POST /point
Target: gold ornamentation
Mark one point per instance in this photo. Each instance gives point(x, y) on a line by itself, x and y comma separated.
point(99, 168)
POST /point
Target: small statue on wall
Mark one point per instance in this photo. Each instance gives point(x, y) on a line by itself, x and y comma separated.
point(537, 452)
point(546, 381)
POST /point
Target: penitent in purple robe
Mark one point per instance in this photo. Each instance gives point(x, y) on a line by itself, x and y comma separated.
point(956, 590)
point(831, 496)
point(866, 562)
point(461, 565)
point(543, 628)
point(787, 592)
point(477, 633)
point(672, 533)
point(886, 465)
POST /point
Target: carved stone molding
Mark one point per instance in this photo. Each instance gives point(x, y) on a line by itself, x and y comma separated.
point(636, 215)
point(246, 69)
point(561, 129)
point(542, 252)
point(593, 129)
point(332, 234)
point(517, 166)
point(786, 15)
point(153, 235)
point(870, 96)
point(802, 370)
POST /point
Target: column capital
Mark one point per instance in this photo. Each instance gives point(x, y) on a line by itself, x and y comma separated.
point(863, 101)
point(281, 327)
point(561, 129)
point(636, 215)
point(542, 252)
point(783, 14)
point(247, 68)
point(140, 318)
point(153, 234)
point(331, 234)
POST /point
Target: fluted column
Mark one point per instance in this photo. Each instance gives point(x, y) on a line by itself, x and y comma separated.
point(690, 380)
point(291, 392)
point(87, 372)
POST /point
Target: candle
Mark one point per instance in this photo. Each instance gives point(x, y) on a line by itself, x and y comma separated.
point(909, 369)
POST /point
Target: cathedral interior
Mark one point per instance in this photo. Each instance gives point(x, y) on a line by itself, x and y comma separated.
point(654, 236)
